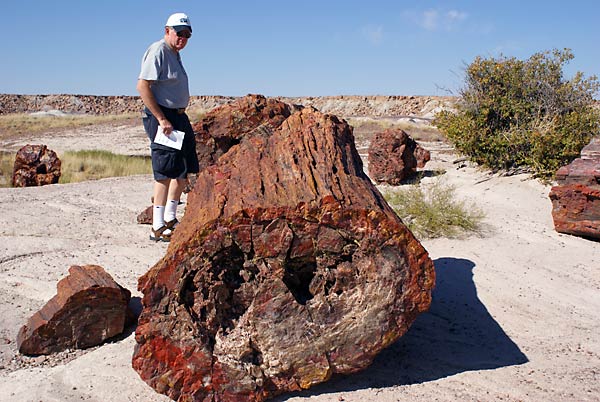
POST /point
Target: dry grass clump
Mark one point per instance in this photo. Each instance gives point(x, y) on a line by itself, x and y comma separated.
point(22, 123)
point(79, 166)
point(434, 211)
point(7, 162)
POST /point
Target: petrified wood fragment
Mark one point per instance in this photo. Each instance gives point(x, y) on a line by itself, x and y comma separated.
point(89, 308)
point(35, 165)
point(288, 267)
point(395, 156)
point(576, 197)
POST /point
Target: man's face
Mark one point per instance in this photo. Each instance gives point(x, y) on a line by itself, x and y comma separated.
point(177, 40)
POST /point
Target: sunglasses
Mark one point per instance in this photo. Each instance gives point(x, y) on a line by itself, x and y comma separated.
point(184, 34)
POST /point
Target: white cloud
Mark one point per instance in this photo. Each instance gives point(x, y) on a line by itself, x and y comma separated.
point(374, 34)
point(430, 20)
point(438, 19)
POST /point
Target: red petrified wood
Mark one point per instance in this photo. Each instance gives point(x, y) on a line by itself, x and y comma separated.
point(288, 267)
point(89, 308)
point(576, 197)
point(395, 156)
point(35, 165)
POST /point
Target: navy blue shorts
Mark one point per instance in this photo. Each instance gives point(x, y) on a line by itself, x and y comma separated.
point(170, 163)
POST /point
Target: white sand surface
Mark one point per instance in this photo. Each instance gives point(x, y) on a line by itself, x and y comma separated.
point(515, 313)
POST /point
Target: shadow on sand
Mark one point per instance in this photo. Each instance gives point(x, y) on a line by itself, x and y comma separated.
point(456, 335)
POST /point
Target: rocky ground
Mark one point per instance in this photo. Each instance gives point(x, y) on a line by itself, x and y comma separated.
point(514, 314)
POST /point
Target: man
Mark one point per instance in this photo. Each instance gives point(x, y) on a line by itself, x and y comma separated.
point(163, 87)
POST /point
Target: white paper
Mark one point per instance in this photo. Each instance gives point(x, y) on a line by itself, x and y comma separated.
point(173, 140)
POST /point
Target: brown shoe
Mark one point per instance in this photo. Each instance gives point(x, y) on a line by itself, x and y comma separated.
point(160, 235)
point(172, 224)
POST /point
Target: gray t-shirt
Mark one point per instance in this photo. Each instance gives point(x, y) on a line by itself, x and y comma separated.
point(163, 65)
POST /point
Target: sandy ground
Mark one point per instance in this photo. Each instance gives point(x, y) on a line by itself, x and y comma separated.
point(515, 313)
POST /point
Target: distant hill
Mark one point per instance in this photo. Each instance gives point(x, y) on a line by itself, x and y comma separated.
point(343, 105)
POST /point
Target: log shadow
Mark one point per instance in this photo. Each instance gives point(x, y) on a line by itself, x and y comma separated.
point(457, 334)
point(422, 174)
point(135, 309)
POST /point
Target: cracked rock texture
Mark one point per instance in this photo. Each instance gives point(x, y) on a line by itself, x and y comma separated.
point(288, 266)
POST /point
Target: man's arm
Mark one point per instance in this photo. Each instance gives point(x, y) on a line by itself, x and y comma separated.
point(143, 87)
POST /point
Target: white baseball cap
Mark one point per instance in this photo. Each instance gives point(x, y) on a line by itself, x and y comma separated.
point(179, 22)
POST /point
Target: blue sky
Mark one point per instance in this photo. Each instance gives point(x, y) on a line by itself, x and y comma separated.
point(287, 48)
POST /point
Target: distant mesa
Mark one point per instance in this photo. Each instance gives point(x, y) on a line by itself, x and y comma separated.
point(345, 106)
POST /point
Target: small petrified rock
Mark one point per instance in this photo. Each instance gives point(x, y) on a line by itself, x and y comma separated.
point(89, 308)
point(35, 165)
point(576, 197)
point(395, 156)
point(145, 217)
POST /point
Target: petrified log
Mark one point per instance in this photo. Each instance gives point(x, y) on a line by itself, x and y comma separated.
point(576, 210)
point(576, 197)
point(591, 150)
point(89, 308)
point(35, 165)
point(145, 217)
point(395, 156)
point(288, 266)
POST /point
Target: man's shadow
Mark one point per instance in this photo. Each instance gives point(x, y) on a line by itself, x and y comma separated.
point(457, 334)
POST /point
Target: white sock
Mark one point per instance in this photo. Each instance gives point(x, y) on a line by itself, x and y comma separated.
point(171, 210)
point(158, 217)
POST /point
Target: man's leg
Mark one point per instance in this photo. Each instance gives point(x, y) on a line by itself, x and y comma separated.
point(161, 190)
point(176, 187)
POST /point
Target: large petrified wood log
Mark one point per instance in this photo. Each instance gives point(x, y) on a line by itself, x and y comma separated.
point(88, 308)
point(35, 165)
point(287, 267)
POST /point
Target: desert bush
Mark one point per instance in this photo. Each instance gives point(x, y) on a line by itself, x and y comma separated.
point(79, 166)
point(523, 114)
point(434, 210)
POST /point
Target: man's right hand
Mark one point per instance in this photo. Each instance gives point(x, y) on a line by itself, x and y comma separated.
point(166, 126)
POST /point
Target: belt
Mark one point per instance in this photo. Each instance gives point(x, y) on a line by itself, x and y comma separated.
point(178, 111)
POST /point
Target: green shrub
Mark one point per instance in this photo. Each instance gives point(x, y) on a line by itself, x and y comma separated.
point(523, 114)
point(434, 211)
